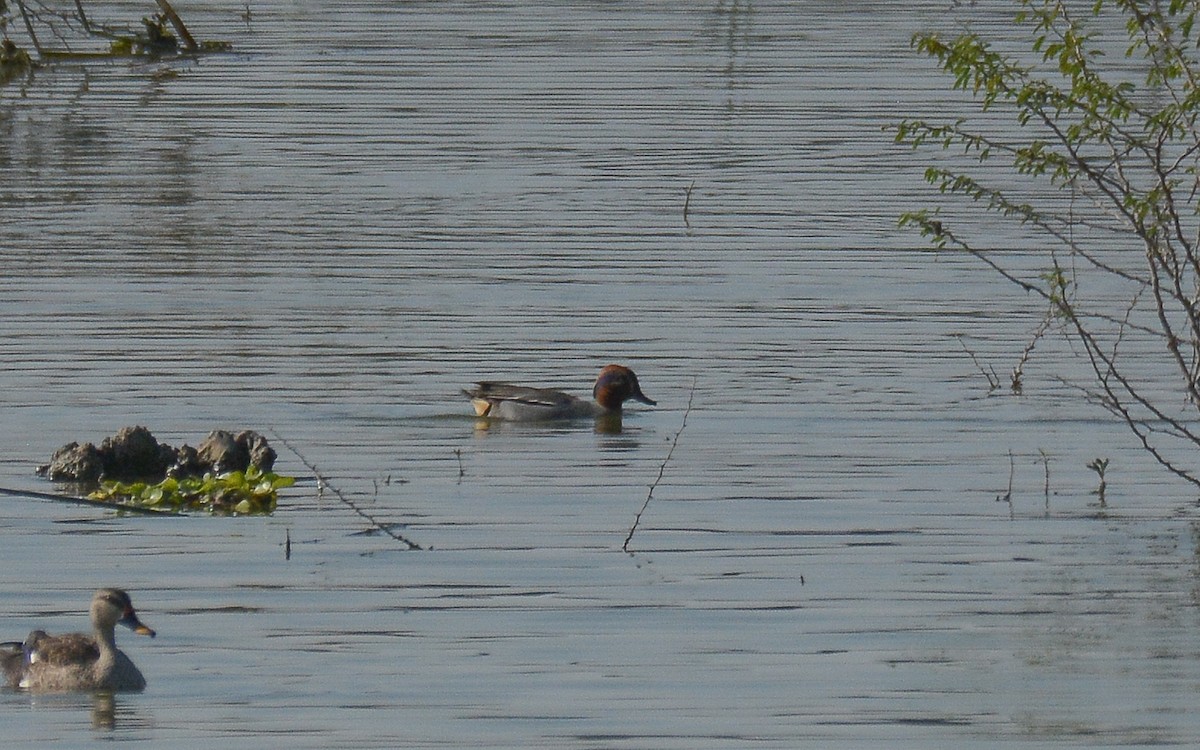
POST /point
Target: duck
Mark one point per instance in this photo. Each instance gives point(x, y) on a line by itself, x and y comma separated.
point(615, 385)
point(45, 663)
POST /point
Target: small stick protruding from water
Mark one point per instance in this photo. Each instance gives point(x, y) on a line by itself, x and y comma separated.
point(461, 471)
point(1046, 489)
point(687, 202)
point(1100, 465)
point(1007, 496)
point(287, 544)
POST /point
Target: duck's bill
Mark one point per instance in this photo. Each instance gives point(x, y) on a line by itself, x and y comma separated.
point(133, 623)
point(639, 396)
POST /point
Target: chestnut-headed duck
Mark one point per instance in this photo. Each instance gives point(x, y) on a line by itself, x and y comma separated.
point(615, 385)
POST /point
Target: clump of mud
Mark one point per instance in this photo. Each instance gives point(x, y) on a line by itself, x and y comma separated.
point(134, 454)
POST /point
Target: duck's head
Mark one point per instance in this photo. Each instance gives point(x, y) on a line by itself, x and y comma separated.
point(616, 385)
point(113, 607)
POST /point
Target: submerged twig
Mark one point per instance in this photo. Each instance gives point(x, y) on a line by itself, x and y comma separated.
point(661, 469)
point(324, 481)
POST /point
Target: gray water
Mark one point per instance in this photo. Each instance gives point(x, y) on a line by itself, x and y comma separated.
point(327, 233)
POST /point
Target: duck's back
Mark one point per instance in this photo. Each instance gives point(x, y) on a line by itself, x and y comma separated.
point(73, 662)
point(522, 403)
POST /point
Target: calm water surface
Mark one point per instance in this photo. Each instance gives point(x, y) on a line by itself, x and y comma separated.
point(327, 233)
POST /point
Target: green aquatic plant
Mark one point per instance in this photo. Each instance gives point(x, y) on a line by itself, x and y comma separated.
point(249, 492)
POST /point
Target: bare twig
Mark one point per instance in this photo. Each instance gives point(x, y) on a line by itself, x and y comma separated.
point(324, 481)
point(661, 469)
point(29, 26)
point(990, 373)
point(687, 202)
point(76, 500)
point(1018, 372)
point(188, 42)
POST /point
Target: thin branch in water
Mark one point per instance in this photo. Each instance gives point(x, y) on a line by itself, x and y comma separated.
point(323, 482)
point(990, 373)
point(189, 42)
point(661, 469)
point(29, 26)
point(1018, 372)
point(687, 202)
point(76, 500)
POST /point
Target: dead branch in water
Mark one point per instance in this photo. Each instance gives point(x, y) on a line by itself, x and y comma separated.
point(990, 373)
point(76, 500)
point(189, 43)
point(661, 469)
point(345, 500)
point(1018, 373)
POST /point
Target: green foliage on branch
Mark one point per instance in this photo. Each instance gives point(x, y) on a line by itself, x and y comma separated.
point(1086, 133)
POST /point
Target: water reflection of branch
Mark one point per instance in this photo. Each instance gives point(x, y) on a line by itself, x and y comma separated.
point(661, 469)
point(385, 528)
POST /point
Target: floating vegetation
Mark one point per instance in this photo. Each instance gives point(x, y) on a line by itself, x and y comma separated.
point(250, 492)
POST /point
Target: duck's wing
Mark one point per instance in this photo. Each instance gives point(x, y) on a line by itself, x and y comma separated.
point(493, 392)
point(61, 650)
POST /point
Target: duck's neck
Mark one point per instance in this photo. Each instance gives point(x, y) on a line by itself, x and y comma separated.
point(106, 641)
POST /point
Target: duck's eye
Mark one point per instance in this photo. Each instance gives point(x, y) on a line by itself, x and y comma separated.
point(116, 601)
